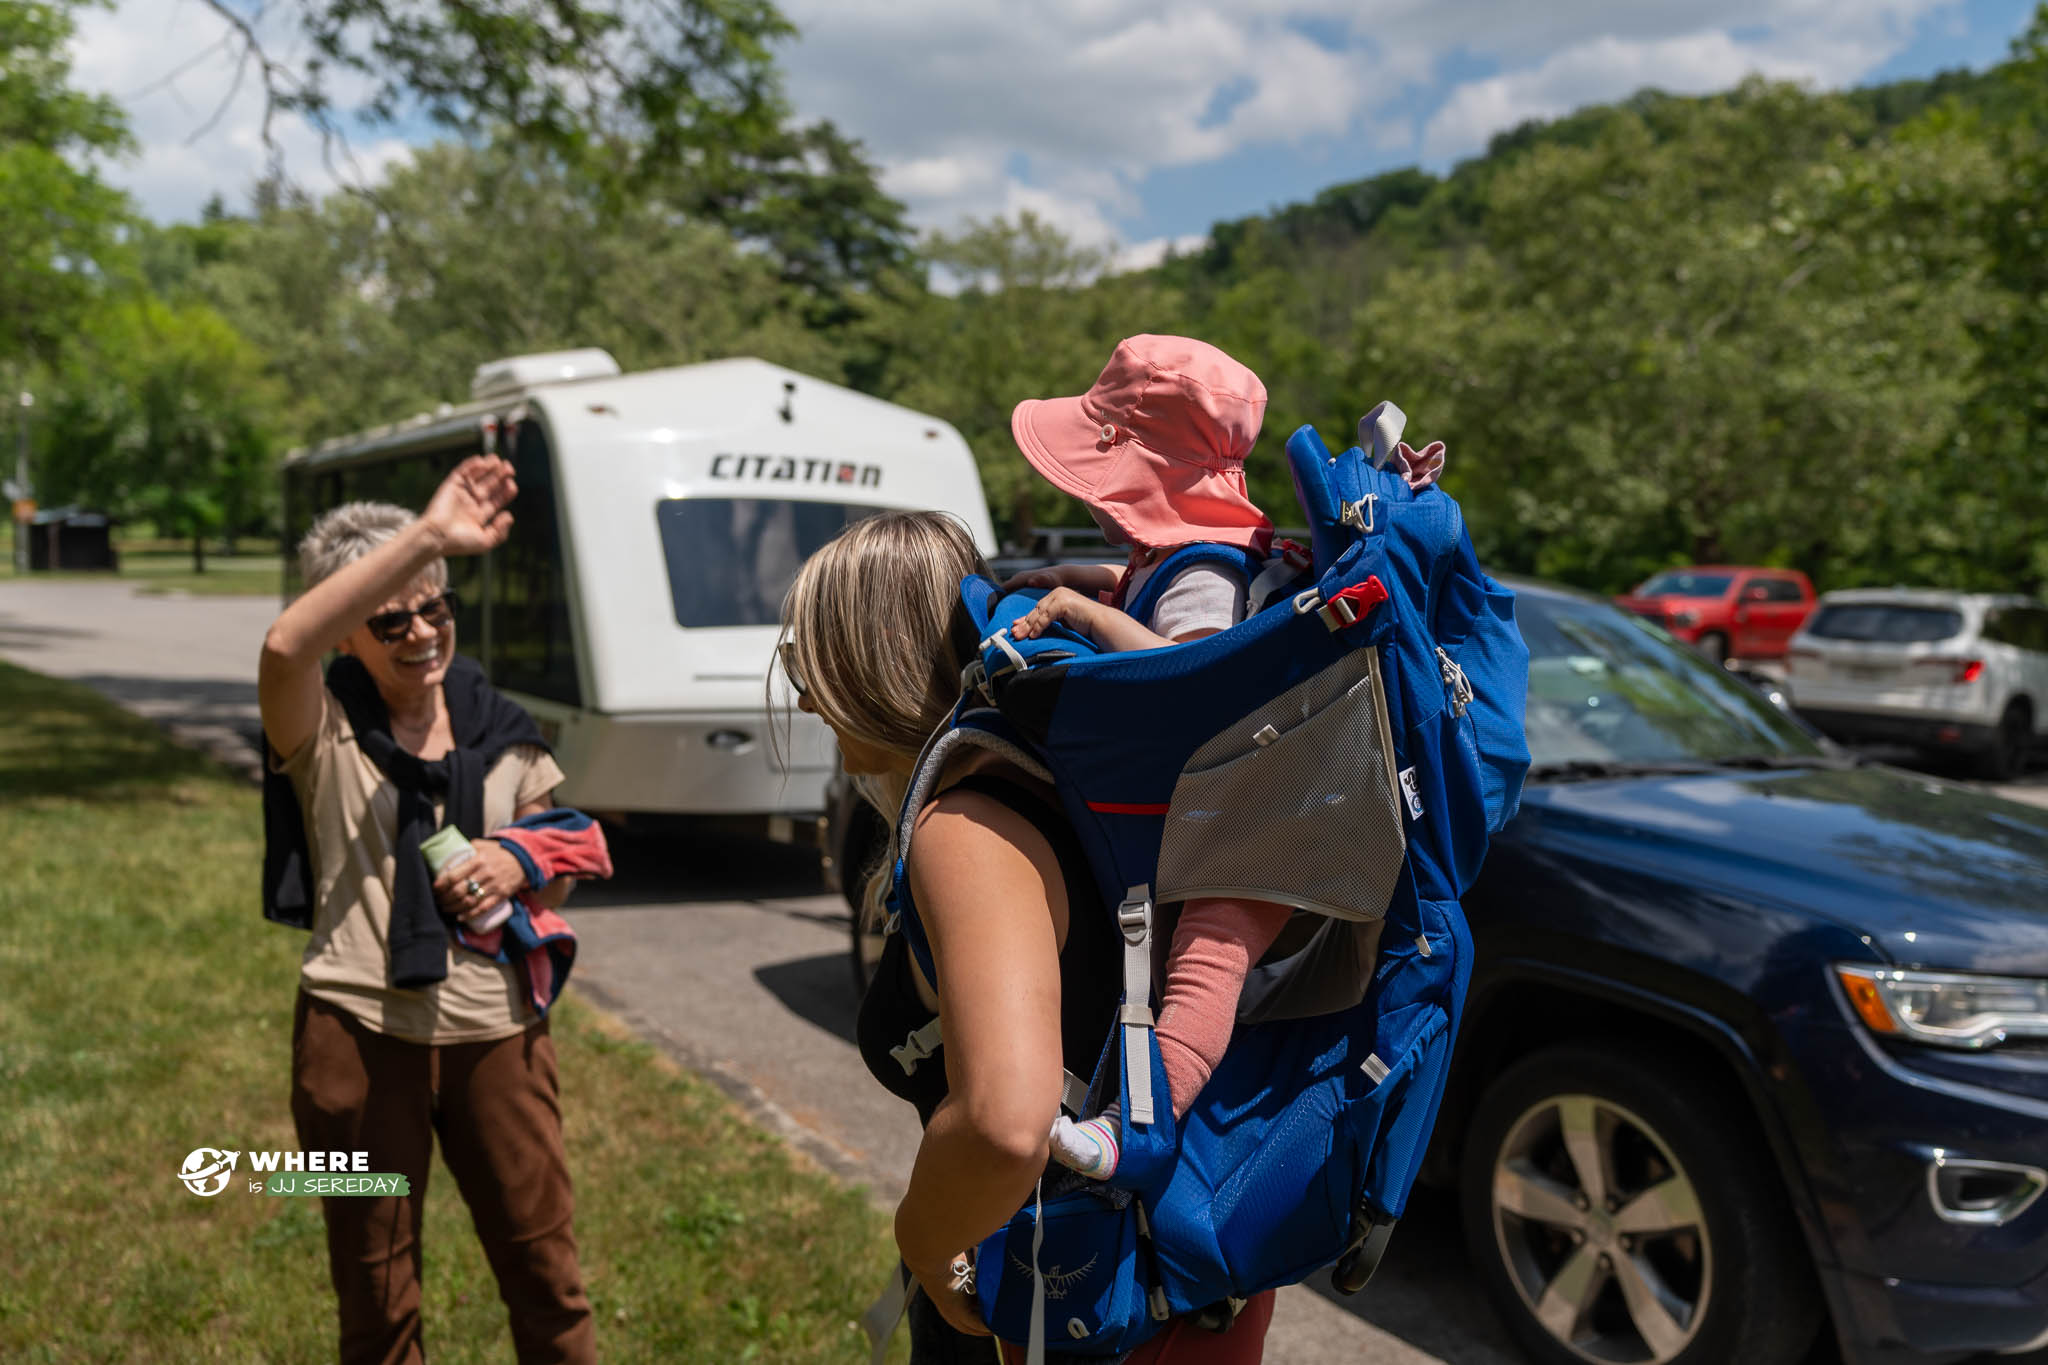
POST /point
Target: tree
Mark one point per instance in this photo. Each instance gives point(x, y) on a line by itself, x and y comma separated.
point(1035, 317)
point(162, 411)
point(366, 308)
point(1735, 335)
point(1998, 461)
point(58, 222)
point(678, 100)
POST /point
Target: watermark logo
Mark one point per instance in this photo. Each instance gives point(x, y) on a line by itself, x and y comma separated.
point(207, 1170)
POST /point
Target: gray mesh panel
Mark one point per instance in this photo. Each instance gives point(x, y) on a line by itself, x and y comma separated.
point(1311, 817)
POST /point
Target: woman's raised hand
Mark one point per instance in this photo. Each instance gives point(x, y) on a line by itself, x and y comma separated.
point(470, 511)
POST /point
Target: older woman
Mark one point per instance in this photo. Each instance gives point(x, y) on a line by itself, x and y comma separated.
point(398, 1035)
point(1027, 964)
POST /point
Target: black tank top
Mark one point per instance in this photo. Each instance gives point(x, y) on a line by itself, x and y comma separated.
point(1091, 968)
point(1091, 979)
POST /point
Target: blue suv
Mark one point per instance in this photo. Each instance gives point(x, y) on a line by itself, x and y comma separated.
point(1757, 1033)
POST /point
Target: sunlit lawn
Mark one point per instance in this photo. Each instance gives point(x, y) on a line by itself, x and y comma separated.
point(156, 566)
point(147, 1012)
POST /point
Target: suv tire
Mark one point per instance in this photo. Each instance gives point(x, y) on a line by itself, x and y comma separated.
point(1714, 645)
point(2010, 744)
point(1676, 1250)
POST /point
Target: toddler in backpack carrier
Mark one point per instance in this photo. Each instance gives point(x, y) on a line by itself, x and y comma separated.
point(1155, 450)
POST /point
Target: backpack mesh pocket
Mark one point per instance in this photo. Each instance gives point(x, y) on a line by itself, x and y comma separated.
point(1297, 803)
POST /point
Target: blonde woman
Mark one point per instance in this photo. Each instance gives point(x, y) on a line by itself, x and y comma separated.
point(1028, 965)
point(398, 1037)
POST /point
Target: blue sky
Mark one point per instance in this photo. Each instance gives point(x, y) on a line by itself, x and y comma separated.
point(1124, 122)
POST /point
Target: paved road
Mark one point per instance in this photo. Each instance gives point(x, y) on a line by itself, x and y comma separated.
point(187, 662)
point(726, 953)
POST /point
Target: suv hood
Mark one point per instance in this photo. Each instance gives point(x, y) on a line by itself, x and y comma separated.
point(1935, 874)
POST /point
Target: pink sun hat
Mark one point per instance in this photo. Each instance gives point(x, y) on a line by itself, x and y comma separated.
point(1157, 444)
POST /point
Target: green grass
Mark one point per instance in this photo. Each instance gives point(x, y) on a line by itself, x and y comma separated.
point(147, 1011)
point(164, 566)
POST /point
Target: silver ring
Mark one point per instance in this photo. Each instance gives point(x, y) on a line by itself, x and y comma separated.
point(474, 887)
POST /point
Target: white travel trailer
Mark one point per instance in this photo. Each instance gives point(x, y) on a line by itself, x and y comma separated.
point(661, 517)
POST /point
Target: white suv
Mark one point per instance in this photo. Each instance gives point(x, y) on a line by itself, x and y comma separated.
point(1942, 671)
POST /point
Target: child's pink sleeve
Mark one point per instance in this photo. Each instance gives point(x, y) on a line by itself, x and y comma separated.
point(1214, 946)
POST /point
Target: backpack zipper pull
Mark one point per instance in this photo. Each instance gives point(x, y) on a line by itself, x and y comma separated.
point(1455, 679)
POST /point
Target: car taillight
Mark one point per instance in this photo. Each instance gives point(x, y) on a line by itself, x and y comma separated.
point(1970, 670)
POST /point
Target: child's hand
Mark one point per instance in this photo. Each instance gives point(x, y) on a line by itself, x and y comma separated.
point(1095, 579)
point(1062, 605)
point(1105, 626)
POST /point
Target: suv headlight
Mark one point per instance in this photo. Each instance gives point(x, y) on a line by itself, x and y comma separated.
point(1685, 616)
point(1946, 1009)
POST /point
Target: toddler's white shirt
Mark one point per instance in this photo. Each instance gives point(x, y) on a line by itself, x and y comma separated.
point(1200, 597)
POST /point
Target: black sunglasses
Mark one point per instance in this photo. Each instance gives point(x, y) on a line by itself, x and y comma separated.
point(787, 650)
point(389, 627)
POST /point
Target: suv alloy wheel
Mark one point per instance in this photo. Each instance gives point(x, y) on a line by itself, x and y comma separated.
point(1618, 1215)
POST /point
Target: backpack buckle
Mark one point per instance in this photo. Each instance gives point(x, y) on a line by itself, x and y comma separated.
point(1455, 679)
point(1358, 515)
point(1134, 915)
point(974, 678)
point(1016, 662)
point(1348, 604)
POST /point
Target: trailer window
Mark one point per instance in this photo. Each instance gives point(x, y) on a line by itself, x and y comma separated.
point(731, 560)
point(533, 646)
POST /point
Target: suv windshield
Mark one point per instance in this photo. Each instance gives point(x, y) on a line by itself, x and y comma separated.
point(1683, 583)
point(1887, 623)
point(731, 560)
point(1605, 687)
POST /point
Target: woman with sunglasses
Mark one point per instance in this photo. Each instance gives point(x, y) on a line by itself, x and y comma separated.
point(399, 1035)
point(1029, 967)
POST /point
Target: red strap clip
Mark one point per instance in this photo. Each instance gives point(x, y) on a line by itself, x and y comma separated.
point(1297, 555)
point(1349, 604)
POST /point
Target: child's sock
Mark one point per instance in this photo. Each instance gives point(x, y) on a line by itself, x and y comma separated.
point(1089, 1146)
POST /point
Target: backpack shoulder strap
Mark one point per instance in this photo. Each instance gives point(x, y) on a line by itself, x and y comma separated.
point(1142, 603)
point(982, 727)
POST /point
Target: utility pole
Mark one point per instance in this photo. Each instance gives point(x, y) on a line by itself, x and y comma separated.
point(21, 484)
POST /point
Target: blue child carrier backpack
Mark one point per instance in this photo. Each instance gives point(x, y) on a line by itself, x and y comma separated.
point(1348, 749)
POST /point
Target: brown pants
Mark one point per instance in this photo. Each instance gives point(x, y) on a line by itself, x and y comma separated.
point(497, 1109)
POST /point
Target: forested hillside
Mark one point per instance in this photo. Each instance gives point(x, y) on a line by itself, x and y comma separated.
point(1769, 325)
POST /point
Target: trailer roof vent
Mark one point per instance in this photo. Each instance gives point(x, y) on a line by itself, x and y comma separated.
point(510, 375)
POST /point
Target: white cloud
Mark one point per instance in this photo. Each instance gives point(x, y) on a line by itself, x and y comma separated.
point(1067, 106)
point(1607, 67)
point(1015, 102)
point(197, 132)
point(1071, 108)
point(1145, 255)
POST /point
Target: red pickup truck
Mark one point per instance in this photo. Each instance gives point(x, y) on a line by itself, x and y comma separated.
point(1728, 611)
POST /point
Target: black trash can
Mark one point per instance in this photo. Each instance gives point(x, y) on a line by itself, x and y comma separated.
point(71, 538)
